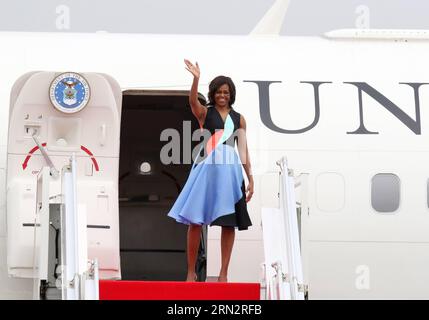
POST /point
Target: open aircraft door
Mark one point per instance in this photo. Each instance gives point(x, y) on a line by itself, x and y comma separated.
point(64, 114)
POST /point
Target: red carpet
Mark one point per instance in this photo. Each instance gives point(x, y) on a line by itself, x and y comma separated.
point(172, 290)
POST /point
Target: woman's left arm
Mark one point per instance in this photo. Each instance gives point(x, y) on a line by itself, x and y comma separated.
point(245, 158)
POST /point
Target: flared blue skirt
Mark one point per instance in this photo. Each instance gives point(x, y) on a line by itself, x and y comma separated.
point(214, 192)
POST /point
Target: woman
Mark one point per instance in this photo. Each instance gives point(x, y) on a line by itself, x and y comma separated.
point(214, 192)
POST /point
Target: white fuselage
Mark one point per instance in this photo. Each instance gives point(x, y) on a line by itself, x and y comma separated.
point(349, 249)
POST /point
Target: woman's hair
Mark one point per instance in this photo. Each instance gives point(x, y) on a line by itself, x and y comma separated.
point(216, 83)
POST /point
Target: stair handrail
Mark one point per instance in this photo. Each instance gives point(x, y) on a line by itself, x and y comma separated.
point(41, 231)
point(294, 274)
point(77, 281)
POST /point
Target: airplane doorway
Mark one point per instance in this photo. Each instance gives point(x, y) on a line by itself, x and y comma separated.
point(152, 245)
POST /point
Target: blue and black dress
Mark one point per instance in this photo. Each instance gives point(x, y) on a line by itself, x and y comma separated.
point(214, 193)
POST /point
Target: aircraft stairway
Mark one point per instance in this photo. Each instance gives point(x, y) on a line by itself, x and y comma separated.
point(62, 269)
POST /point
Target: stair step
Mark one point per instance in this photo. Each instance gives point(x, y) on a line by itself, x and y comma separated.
point(177, 290)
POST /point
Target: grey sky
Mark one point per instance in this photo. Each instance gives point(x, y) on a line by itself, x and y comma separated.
point(304, 17)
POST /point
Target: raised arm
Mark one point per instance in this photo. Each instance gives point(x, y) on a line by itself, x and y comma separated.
point(198, 109)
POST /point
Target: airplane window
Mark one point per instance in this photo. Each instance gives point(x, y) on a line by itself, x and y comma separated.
point(385, 192)
point(330, 191)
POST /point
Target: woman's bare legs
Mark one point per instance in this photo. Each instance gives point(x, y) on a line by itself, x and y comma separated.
point(226, 243)
point(194, 233)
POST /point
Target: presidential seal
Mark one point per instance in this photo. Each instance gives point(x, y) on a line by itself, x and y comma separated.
point(69, 92)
